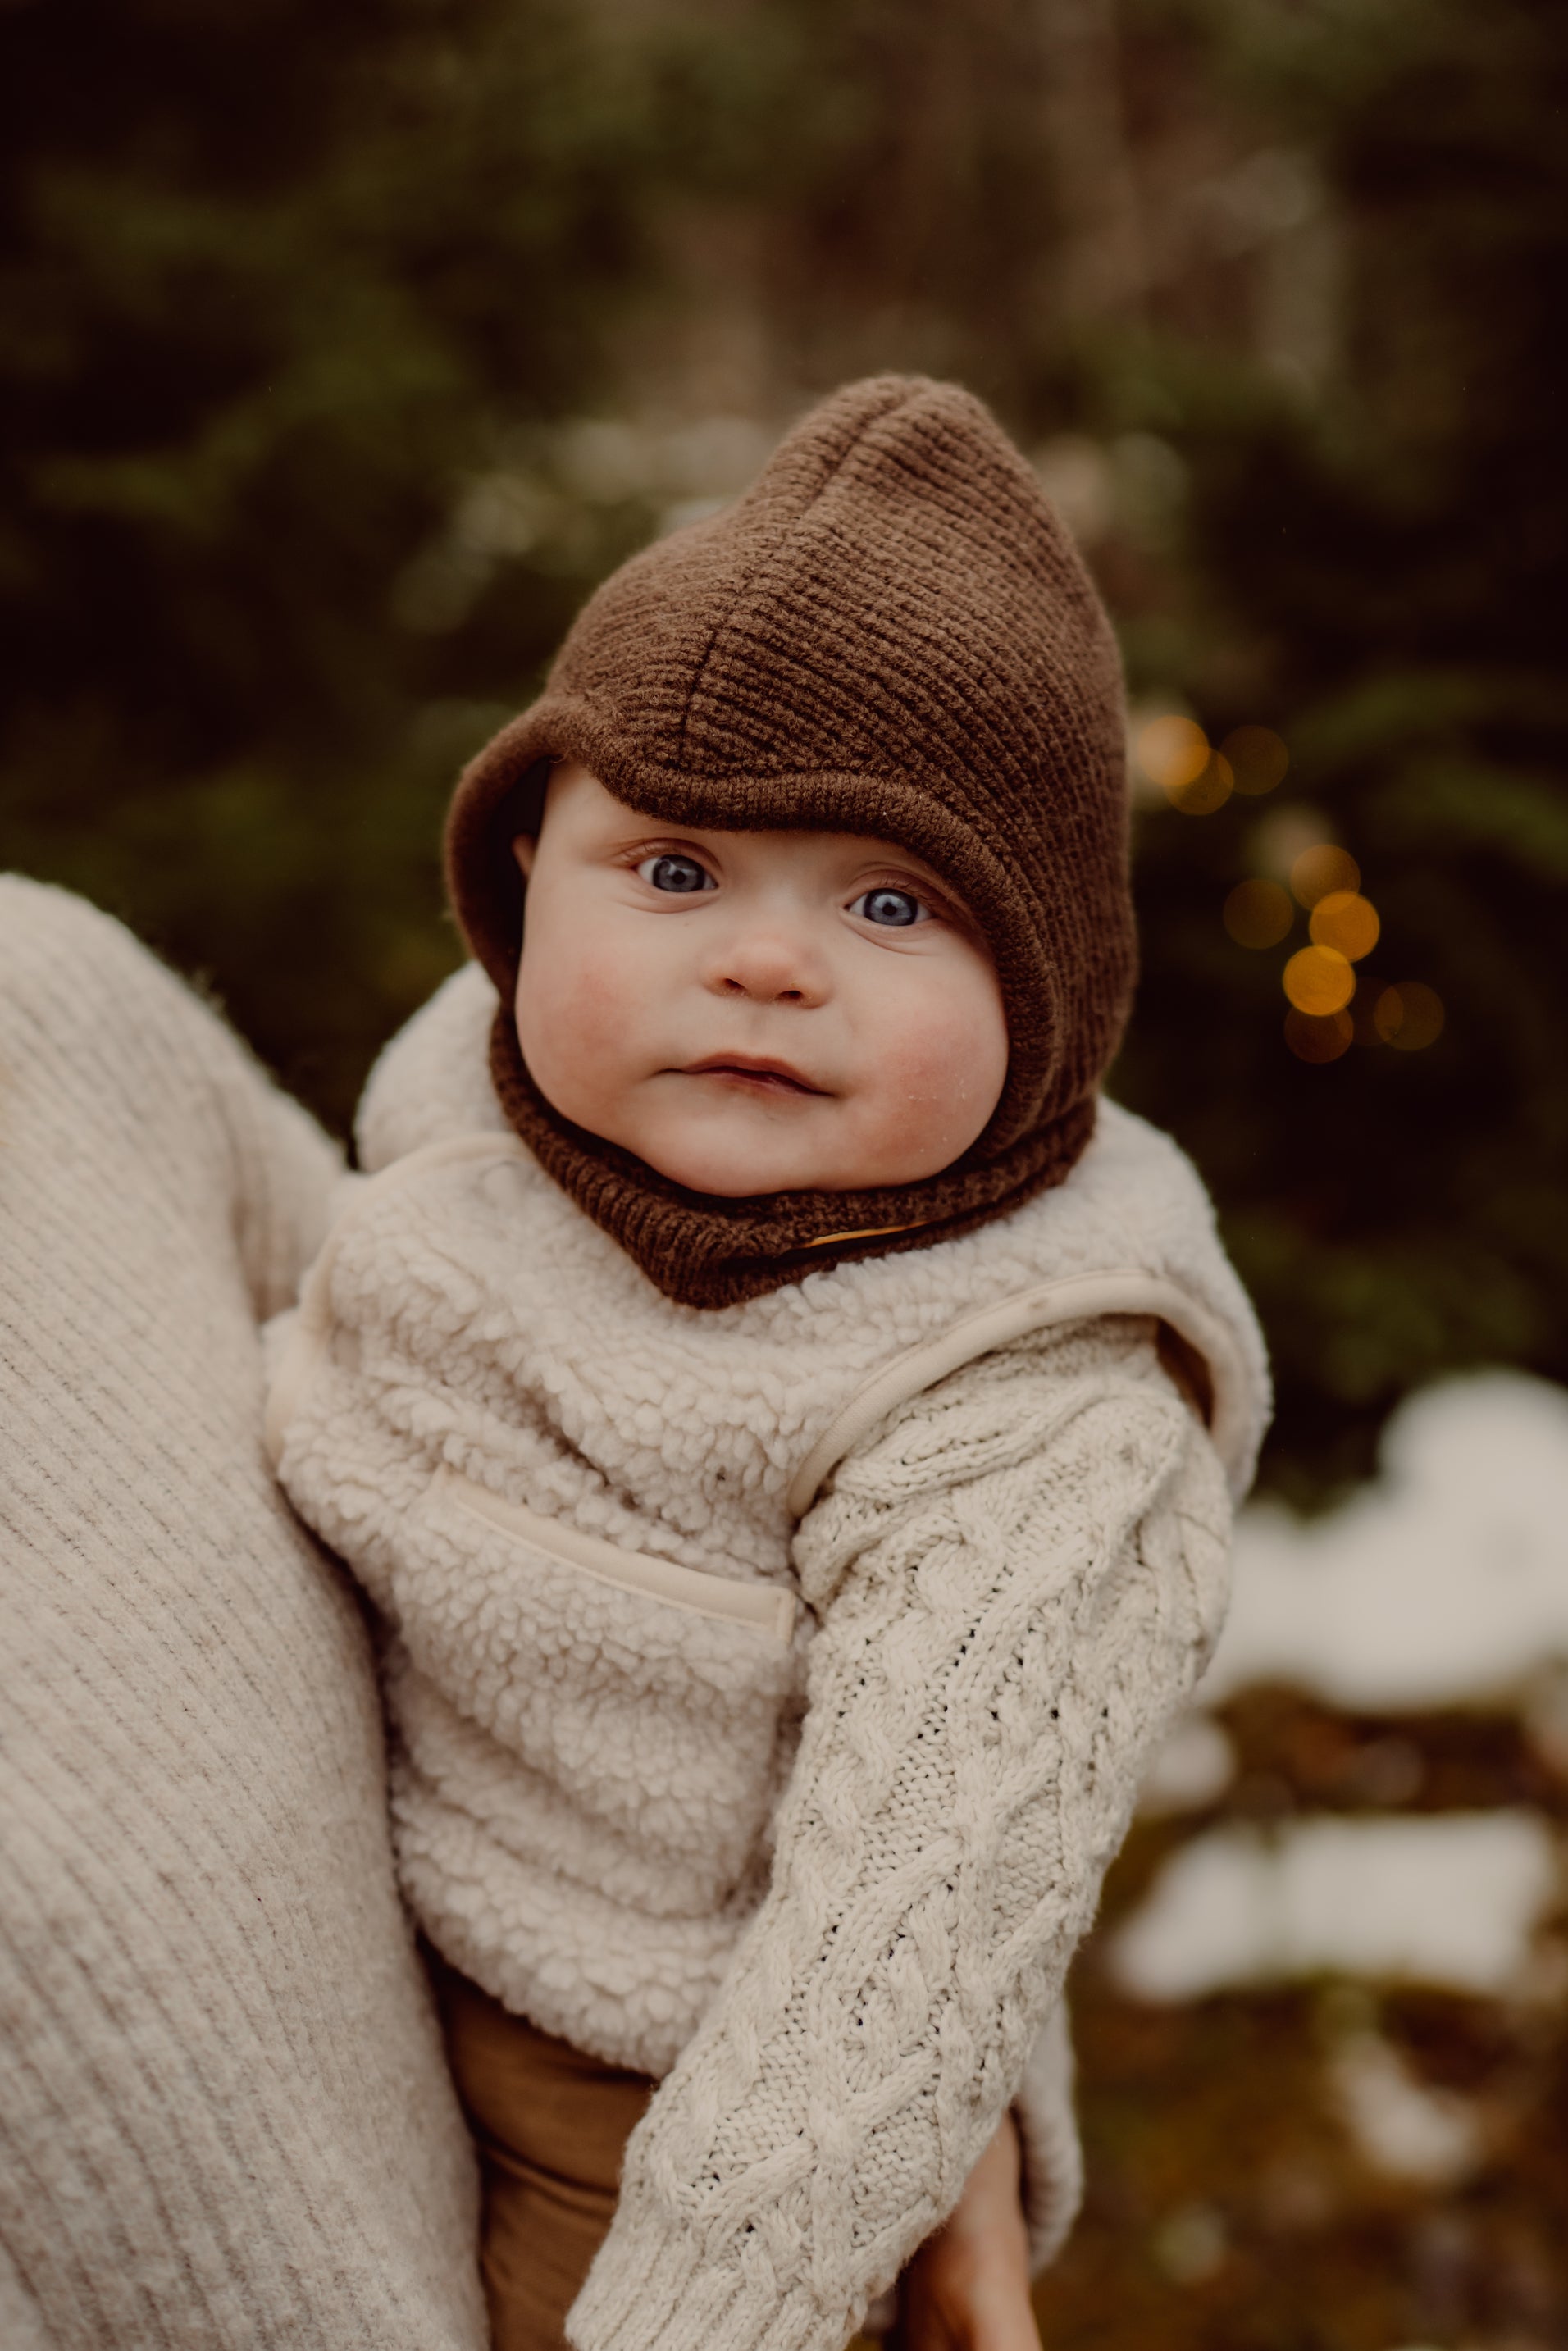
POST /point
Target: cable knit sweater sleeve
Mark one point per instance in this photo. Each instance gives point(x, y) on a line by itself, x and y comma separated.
point(1018, 1578)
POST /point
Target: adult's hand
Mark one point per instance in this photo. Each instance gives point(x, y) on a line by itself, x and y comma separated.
point(967, 2287)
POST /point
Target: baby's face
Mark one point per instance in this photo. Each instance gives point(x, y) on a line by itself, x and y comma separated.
point(753, 1012)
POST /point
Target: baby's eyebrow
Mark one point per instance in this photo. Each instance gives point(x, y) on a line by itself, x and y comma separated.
point(662, 837)
point(908, 869)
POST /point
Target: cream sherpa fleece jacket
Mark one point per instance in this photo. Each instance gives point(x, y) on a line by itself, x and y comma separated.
point(946, 1508)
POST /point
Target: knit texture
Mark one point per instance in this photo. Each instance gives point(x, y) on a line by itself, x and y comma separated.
point(223, 2117)
point(568, 1497)
point(889, 634)
point(997, 1655)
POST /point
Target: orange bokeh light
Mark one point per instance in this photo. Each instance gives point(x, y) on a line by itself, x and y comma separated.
point(1257, 758)
point(1173, 752)
point(1258, 913)
point(1346, 922)
point(1322, 870)
point(1410, 1016)
point(1319, 1037)
point(1318, 981)
point(1210, 789)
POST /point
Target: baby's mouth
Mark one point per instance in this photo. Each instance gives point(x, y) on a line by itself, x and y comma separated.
point(754, 1070)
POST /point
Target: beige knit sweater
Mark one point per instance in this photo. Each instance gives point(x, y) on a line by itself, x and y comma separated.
point(947, 1507)
point(225, 2123)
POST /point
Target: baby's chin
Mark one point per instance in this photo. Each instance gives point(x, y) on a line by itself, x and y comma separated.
point(742, 1167)
point(736, 1171)
point(740, 1158)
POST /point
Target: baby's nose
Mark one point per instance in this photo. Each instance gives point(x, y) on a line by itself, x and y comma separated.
point(772, 966)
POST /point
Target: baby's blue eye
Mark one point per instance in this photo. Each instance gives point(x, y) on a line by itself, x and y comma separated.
point(893, 909)
point(675, 874)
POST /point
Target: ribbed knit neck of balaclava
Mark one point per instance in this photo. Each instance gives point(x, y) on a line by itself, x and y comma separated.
point(890, 635)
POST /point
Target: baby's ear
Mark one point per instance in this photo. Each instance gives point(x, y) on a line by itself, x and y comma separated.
point(523, 849)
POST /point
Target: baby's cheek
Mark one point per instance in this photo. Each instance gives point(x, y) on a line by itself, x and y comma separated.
point(939, 1059)
point(577, 1020)
point(596, 1008)
point(943, 1070)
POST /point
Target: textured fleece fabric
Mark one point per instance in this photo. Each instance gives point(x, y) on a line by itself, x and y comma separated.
point(891, 633)
point(225, 2122)
point(570, 1500)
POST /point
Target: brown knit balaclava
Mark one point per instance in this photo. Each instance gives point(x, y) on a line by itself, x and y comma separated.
point(889, 634)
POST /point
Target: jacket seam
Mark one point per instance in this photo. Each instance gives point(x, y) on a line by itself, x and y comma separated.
point(1080, 1297)
point(760, 1608)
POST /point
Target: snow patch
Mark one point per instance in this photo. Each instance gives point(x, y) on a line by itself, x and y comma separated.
point(1193, 1765)
point(1446, 1583)
point(1448, 1898)
point(1401, 2125)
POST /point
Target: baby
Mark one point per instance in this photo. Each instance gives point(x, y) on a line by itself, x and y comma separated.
point(782, 1416)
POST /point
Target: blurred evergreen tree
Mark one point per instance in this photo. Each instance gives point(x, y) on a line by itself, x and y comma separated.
point(1378, 569)
point(299, 305)
point(275, 276)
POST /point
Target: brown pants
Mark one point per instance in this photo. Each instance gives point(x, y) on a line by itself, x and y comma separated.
point(551, 2126)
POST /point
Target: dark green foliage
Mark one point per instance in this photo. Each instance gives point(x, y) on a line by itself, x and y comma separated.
point(892, 156)
point(299, 298)
point(1382, 576)
point(281, 275)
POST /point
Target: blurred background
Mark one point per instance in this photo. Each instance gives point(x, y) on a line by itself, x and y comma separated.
point(344, 349)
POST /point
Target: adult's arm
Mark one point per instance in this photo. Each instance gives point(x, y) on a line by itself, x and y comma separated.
point(1019, 1579)
point(223, 2117)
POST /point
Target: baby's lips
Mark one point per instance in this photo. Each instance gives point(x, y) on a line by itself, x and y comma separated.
point(756, 1068)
